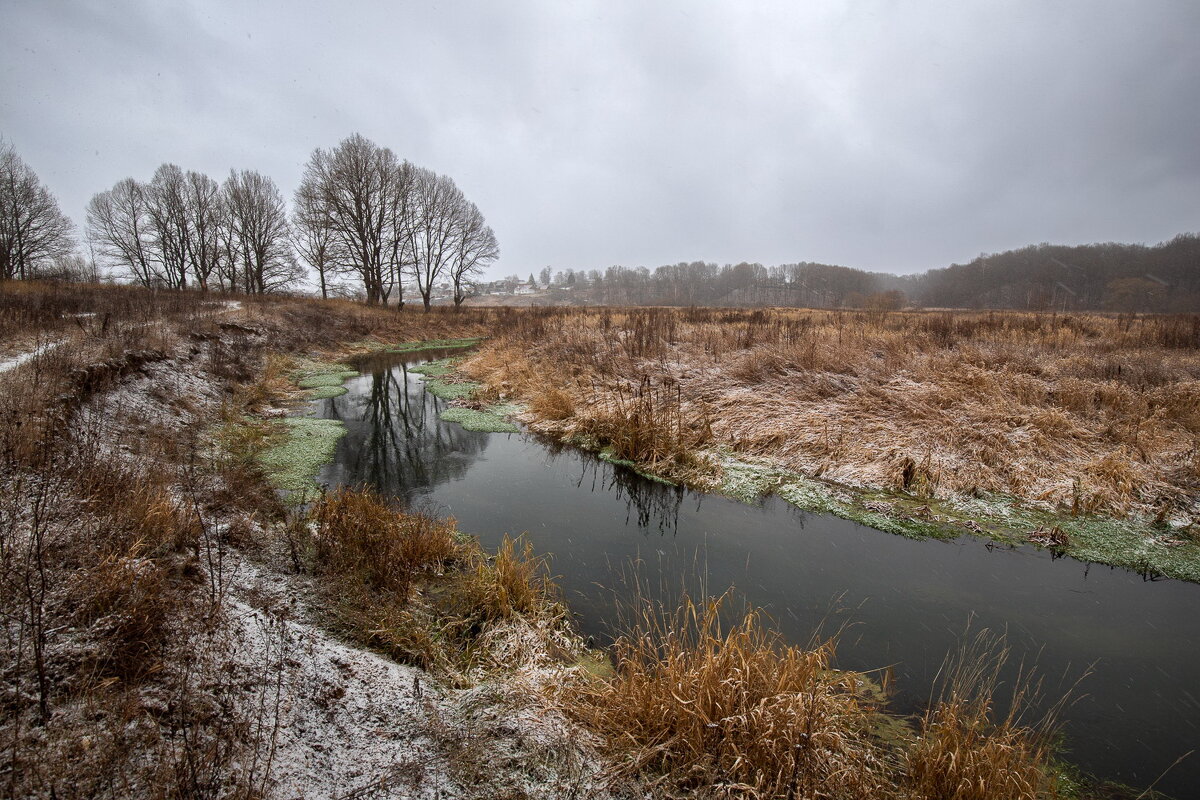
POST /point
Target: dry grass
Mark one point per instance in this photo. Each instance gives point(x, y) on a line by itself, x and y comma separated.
point(116, 517)
point(404, 583)
point(1090, 413)
point(967, 750)
point(707, 704)
point(111, 552)
point(512, 584)
point(732, 711)
point(361, 539)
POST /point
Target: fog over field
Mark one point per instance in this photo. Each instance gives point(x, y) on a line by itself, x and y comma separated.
point(884, 136)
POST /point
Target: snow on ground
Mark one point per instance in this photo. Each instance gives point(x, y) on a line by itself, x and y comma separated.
point(347, 722)
point(29, 355)
point(335, 720)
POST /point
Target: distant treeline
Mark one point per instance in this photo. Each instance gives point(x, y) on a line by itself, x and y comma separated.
point(1117, 277)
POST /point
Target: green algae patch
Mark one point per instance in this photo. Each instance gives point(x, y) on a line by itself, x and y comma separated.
point(607, 454)
point(438, 377)
point(435, 369)
point(326, 379)
point(1137, 545)
point(305, 445)
point(748, 481)
point(484, 421)
point(326, 392)
point(450, 391)
point(432, 344)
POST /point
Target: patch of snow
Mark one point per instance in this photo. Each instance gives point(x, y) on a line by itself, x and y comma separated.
point(18, 360)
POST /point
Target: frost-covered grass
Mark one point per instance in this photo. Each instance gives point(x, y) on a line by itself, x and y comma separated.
point(292, 463)
point(485, 421)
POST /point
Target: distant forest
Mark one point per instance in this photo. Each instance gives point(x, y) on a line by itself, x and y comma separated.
point(1116, 277)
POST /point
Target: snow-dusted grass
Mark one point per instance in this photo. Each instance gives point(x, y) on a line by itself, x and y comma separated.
point(899, 421)
point(22, 358)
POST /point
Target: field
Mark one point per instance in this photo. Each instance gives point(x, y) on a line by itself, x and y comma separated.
point(174, 628)
point(902, 419)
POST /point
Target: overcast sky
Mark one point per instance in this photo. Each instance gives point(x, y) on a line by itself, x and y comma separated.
point(894, 136)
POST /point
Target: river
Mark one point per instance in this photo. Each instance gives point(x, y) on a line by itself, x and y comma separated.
point(899, 602)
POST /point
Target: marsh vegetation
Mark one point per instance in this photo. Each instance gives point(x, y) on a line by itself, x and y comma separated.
point(1007, 424)
point(173, 628)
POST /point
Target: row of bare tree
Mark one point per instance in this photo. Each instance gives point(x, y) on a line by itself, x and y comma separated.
point(360, 215)
point(362, 211)
point(184, 229)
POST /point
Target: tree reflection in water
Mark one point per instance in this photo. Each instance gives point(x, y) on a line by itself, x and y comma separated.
point(394, 440)
point(655, 505)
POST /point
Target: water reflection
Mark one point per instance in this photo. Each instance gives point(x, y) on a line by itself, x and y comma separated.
point(394, 440)
point(650, 505)
point(909, 601)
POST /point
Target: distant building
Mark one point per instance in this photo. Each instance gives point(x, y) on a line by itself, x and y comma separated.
point(525, 288)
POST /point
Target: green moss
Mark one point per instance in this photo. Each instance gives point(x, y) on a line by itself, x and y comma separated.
point(326, 392)
point(326, 379)
point(474, 420)
point(607, 454)
point(433, 344)
point(305, 444)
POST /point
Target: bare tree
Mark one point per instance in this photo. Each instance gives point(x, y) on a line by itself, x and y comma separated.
point(256, 233)
point(206, 218)
point(360, 190)
point(474, 247)
point(120, 229)
point(312, 236)
point(33, 230)
point(440, 206)
point(171, 224)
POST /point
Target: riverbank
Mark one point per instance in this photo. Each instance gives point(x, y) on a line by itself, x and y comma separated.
point(380, 407)
point(172, 627)
point(1074, 433)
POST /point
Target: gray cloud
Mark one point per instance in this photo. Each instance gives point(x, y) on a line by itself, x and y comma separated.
point(892, 136)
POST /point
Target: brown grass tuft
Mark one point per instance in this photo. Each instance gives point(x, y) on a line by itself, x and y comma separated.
point(968, 750)
point(360, 538)
point(732, 711)
point(514, 583)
